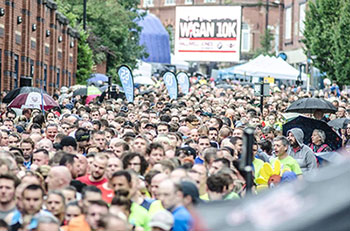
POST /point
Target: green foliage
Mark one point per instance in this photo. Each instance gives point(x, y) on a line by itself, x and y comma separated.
point(342, 45)
point(170, 31)
point(321, 24)
point(85, 63)
point(112, 29)
point(266, 44)
point(85, 55)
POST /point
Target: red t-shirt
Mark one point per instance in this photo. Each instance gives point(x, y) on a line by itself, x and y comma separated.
point(107, 194)
point(85, 179)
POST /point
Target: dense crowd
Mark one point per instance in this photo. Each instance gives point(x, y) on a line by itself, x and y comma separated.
point(112, 165)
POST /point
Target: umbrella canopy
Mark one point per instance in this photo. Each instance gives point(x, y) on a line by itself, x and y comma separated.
point(319, 202)
point(143, 80)
point(310, 105)
point(86, 91)
point(290, 115)
point(33, 100)
point(339, 123)
point(308, 125)
point(97, 77)
point(224, 86)
point(105, 88)
point(330, 157)
point(75, 87)
point(14, 93)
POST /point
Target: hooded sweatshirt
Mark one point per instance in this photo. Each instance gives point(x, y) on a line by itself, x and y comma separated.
point(304, 156)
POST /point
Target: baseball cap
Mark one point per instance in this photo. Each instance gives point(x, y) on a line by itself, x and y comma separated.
point(128, 124)
point(68, 141)
point(150, 125)
point(162, 219)
point(189, 188)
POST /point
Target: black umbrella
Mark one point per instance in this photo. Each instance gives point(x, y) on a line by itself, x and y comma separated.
point(308, 125)
point(339, 123)
point(310, 105)
point(14, 93)
point(87, 91)
point(318, 202)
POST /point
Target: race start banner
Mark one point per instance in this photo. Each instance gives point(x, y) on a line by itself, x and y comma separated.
point(184, 82)
point(208, 33)
point(127, 80)
point(170, 81)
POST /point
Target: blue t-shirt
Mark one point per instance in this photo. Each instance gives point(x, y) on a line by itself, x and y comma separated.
point(182, 219)
point(198, 160)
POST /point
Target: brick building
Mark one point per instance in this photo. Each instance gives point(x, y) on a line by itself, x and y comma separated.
point(293, 23)
point(253, 18)
point(37, 47)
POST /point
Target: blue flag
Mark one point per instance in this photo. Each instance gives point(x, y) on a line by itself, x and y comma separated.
point(171, 84)
point(184, 82)
point(127, 81)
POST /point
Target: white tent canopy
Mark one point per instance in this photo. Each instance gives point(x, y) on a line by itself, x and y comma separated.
point(180, 64)
point(266, 66)
point(142, 80)
point(143, 69)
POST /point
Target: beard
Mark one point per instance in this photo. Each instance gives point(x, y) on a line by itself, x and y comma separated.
point(96, 176)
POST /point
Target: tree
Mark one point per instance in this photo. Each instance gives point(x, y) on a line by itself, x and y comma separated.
point(266, 44)
point(85, 54)
point(321, 22)
point(113, 31)
point(85, 62)
point(342, 45)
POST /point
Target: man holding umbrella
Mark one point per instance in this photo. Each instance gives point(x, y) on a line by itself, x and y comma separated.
point(300, 152)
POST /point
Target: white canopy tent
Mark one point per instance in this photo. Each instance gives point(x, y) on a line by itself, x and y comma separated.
point(143, 69)
point(266, 66)
point(180, 64)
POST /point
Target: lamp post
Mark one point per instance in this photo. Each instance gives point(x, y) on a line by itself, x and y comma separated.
point(84, 15)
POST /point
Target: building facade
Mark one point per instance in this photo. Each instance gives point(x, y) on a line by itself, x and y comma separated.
point(37, 47)
point(253, 18)
point(293, 22)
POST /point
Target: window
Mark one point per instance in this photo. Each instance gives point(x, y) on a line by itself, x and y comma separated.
point(45, 76)
point(31, 68)
point(169, 2)
point(69, 79)
point(148, 3)
point(209, 1)
point(47, 49)
point(288, 28)
point(302, 8)
point(33, 44)
point(188, 2)
point(245, 38)
point(18, 38)
point(58, 78)
point(15, 73)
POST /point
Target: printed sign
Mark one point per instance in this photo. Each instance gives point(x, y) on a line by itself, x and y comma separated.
point(184, 82)
point(127, 81)
point(208, 33)
point(171, 84)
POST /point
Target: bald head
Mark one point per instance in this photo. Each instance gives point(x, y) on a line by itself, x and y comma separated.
point(178, 174)
point(83, 167)
point(186, 131)
point(36, 137)
point(45, 144)
point(58, 178)
point(156, 180)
